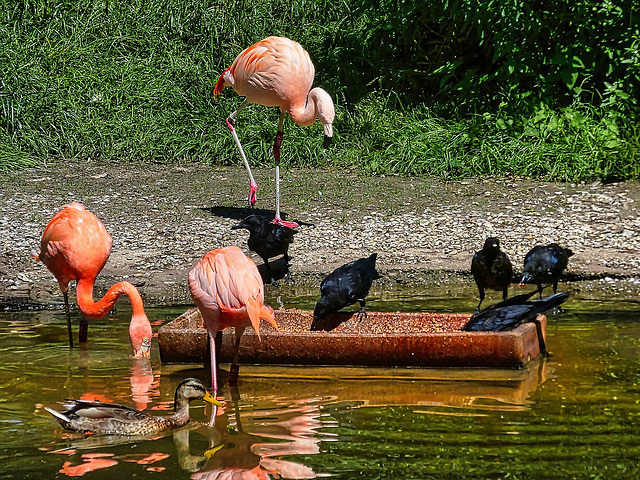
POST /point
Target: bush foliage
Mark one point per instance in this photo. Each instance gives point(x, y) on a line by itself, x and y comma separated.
point(451, 88)
point(558, 52)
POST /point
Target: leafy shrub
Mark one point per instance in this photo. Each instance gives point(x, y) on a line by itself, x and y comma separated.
point(561, 51)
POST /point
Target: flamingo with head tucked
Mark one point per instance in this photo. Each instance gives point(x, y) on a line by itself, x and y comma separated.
point(75, 245)
point(277, 72)
point(228, 290)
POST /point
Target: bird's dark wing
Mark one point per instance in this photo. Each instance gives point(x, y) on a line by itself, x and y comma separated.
point(479, 267)
point(499, 319)
point(350, 282)
point(512, 312)
point(101, 410)
point(501, 267)
point(515, 300)
point(358, 281)
point(532, 254)
point(282, 234)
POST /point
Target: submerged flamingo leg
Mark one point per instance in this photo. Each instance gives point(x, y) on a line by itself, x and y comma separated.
point(234, 370)
point(253, 186)
point(65, 295)
point(277, 143)
point(83, 330)
point(214, 377)
point(214, 364)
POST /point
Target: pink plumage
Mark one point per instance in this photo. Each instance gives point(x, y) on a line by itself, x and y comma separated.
point(277, 72)
point(75, 245)
point(228, 290)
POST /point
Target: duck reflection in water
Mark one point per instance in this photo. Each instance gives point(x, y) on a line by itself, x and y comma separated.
point(239, 448)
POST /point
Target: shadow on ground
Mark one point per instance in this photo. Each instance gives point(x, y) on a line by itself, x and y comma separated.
point(238, 213)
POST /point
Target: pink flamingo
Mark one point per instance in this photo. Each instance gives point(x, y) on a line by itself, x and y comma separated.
point(75, 245)
point(277, 72)
point(228, 290)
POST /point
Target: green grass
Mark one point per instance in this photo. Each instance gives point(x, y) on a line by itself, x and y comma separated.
point(133, 82)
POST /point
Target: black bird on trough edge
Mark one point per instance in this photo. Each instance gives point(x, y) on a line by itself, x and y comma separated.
point(491, 268)
point(545, 264)
point(344, 286)
point(268, 240)
point(512, 313)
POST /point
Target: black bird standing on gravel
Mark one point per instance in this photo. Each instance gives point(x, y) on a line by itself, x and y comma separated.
point(344, 286)
point(491, 268)
point(268, 240)
point(512, 313)
point(545, 264)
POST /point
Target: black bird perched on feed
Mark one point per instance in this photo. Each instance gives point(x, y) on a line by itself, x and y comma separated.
point(268, 240)
point(491, 268)
point(344, 286)
point(512, 313)
point(545, 264)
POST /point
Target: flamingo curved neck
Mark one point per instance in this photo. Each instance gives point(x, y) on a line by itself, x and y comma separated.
point(304, 115)
point(95, 310)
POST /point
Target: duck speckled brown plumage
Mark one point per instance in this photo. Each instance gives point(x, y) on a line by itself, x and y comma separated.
point(113, 419)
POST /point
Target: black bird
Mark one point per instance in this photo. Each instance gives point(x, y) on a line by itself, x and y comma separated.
point(512, 313)
point(268, 240)
point(545, 264)
point(344, 286)
point(491, 268)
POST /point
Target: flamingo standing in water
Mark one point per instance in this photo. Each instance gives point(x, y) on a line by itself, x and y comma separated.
point(228, 290)
point(277, 72)
point(75, 245)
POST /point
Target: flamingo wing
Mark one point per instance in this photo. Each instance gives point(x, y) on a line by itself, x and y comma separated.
point(75, 243)
point(228, 289)
point(275, 71)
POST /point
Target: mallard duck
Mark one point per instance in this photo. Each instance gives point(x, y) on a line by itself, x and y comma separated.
point(113, 419)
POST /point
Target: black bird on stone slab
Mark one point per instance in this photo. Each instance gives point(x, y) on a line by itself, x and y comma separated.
point(268, 240)
point(545, 264)
point(512, 313)
point(344, 286)
point(491, 268)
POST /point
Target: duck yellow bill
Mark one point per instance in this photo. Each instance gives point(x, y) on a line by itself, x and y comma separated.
point(210, 399)
point(211, 452)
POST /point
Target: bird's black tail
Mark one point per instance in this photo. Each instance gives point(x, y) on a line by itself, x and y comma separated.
point(547, 303)
point(371, 265)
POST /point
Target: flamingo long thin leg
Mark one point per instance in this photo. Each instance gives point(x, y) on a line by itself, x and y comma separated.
point(214, 364)
point(235, 368)
point(276, 154)
point(214, 377)
point(253, 186)
point(65, 295)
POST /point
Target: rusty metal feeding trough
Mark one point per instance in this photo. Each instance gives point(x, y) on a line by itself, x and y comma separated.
point(381, 339)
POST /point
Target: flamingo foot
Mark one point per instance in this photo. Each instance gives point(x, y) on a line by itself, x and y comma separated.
point(284, 223)
point(253, 197)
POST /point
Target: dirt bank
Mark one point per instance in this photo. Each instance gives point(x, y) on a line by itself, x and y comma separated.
point(163, 219)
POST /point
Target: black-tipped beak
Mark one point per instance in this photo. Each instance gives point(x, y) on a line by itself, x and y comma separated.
point(525, 278)
point(327, 141)
point(238, 225)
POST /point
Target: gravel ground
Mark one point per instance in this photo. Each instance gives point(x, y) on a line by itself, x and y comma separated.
point(163, 219)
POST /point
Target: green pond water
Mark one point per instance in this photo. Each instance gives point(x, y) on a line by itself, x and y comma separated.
point(573, 415)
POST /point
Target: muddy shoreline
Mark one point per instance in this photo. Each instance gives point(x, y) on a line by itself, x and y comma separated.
point(164, 218)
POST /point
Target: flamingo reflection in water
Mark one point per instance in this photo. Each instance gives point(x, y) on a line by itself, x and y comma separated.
point(240, 453)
